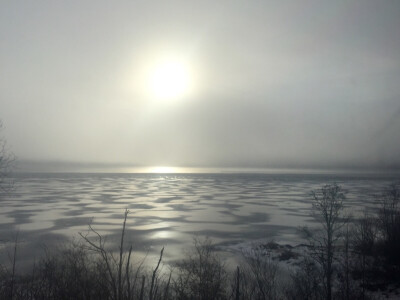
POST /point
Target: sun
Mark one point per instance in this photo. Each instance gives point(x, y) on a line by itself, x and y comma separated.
point(169, 79)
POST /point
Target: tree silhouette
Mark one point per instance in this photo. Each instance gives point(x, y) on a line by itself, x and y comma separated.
point(6, 162)
point(328, 211)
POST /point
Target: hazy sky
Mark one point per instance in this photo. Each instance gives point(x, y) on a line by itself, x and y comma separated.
point(273, 83)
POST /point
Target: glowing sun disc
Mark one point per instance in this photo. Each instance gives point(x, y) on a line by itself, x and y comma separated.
point(169, 80)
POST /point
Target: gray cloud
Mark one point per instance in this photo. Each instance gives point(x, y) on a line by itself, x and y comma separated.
point(282, 83)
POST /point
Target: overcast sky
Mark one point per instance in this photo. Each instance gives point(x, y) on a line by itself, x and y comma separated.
point(276, 83)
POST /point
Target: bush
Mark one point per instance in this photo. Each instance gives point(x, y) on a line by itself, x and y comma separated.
point(85, 270)
point(201, 275)
point(389, 226)
point(70, 273)
point(306, 282)
point(259, 276)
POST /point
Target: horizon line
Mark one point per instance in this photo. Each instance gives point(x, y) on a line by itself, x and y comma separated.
point(199, 170)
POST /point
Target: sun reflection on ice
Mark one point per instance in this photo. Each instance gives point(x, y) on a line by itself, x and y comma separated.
point(163, 170)
point(163, 234)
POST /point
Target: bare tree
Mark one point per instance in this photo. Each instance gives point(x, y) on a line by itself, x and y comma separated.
point(389, 223)
point(6, 161)
point(201, 275)
point(6, 184)
point(259, 278)
point(305, 282)
point(327, 209)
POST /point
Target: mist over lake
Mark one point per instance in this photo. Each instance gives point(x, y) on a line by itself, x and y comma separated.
point(256, 142)
point(169, 209)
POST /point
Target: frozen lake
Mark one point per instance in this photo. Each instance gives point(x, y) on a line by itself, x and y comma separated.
point(169, 209)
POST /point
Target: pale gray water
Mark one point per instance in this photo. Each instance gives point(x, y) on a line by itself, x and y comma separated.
point(167, 210)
